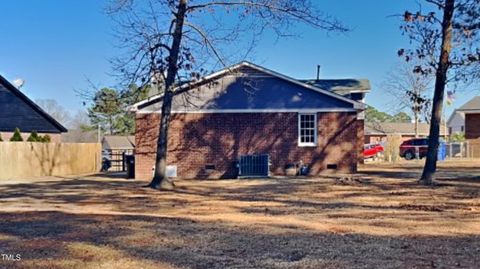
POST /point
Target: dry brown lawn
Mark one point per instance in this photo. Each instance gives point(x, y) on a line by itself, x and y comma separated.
point(381, 220)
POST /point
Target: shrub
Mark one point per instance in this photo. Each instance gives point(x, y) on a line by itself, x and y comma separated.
point(46, 139)
point(457, 137)
point(17, 137)
point(34, 137)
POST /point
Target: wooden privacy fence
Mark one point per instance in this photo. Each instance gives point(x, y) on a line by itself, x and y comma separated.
point(25, 159)
point(473, 148)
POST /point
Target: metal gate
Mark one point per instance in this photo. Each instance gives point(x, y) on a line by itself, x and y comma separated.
point(118, 160)
point(254, 166)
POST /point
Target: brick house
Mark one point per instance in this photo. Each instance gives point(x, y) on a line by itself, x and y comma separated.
point(471, 110)
point(18, 111)
point(247, 109)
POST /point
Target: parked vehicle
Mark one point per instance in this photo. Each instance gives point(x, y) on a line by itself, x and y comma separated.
point(409, 148)
point(372, 151)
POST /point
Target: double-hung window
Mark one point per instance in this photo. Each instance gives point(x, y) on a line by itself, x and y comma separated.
point(307, 129)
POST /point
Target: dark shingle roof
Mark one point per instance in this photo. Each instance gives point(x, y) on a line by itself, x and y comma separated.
point(18, 111)
point(232, 88)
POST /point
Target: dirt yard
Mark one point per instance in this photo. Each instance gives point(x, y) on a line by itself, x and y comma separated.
point(383, 219)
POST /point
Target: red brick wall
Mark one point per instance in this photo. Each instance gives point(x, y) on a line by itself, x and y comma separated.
point(360, 140)
point(196, 140)
point(472, 126)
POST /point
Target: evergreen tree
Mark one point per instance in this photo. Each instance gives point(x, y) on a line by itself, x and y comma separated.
point(17, 137)
point(34, 137)
point(109, 109)
point(401, 117)
point(105, 110)
point(374, 115)
point(45, 139)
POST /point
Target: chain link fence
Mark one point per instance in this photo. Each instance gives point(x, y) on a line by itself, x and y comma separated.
point(459, 150)
point(469, 149)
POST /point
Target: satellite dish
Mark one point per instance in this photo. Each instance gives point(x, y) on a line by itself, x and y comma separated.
point(18, 83)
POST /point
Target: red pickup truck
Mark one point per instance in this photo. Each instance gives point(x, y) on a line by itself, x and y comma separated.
point(372, 151)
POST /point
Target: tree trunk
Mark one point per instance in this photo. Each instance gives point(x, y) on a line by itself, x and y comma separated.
point(440, 82)
point(110, 122)
point(160, 180)
point(416, 122)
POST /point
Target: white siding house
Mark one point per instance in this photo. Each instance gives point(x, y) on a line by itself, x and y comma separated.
point(456, 123)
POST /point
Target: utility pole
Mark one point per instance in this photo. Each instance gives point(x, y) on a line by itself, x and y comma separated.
point(98, 133)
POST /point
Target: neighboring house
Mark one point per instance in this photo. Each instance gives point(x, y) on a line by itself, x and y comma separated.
point(456, 123)
point(472, 118)
point(246, 109)
point(377, 132)
point(355, 89)
point(80, 136)
point(119, 143)
point(116, 147)
point(18, 111)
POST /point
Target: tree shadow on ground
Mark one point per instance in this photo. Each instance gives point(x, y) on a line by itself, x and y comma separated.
point(92, 222)
point(184, 243)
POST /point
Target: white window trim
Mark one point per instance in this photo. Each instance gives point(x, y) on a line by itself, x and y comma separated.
point(314, 144)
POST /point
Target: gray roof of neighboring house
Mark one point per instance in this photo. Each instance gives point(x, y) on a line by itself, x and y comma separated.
point(341, 86)
point(384, 128)
point(473, 104)
point(118, 142)
point(18, 111)
point(80, 136)
point(247, 86)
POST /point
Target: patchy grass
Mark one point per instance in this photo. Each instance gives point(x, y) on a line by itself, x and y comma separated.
point(383, 219)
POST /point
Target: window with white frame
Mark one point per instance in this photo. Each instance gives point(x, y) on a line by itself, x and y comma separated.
point(307, 129)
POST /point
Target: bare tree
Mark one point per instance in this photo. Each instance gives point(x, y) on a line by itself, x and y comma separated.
point(54, 109)
point(80, 120)
point(446, 45)
point(410, 91)
point(80, 129)
point(177, 39)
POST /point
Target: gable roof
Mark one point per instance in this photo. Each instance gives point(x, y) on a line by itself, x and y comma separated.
point(402, 128)
point(472, 106)
point(226, 71)
point(18, 111)
point(455, 114)
point(118, 142)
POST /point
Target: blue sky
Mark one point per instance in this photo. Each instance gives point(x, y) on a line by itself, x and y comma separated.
point(56, 45)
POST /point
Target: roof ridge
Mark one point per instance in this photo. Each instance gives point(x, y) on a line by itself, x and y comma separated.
point(356, 104)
